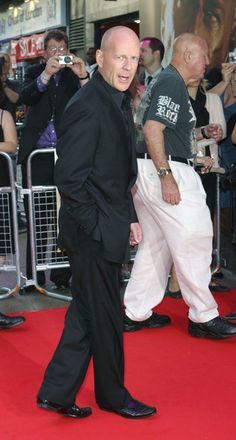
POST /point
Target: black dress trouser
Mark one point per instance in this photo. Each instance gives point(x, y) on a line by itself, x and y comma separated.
point(93, 327)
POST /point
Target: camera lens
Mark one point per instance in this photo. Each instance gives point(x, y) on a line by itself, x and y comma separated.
point(67, 60)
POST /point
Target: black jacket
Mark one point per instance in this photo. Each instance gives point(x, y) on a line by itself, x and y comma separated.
point(41, 105)
point(95, 172)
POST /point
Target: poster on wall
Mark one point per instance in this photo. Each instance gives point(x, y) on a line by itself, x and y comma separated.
point(214, 20)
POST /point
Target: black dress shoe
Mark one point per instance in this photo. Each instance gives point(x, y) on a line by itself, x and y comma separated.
point(68, 411)
point(10, 321)
point(60, 289)
point(62, 284)
point(217, 328)
point(25, 290)
point(134, 409)
point(176, 295)
point(218, 288)
point(154, 321)
point(218, 274)
point(231, 316)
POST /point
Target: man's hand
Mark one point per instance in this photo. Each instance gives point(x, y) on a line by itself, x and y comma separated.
point(53, 66)
point(170, 190)
point(78, 67)
point(206, 162)
point(135, 235)
point(214, 131)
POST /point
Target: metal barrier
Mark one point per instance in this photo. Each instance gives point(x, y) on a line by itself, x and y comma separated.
point(9, 246)
point(126, 268)
point(43, 228)
point(217, 236)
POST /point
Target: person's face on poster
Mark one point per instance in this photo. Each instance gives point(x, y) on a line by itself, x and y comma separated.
point(213, 20)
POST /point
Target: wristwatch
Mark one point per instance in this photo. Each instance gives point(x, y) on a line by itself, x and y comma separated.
point(202, 129)
point(163, 172)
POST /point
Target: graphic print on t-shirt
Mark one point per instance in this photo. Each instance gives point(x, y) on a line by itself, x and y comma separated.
point(167, 109)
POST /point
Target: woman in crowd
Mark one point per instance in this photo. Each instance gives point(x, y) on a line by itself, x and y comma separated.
point(226, 89)
point(8, 144)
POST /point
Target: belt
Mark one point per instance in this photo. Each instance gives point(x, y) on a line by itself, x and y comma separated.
point(173, 158)
point(143, 156)
point(181, 159)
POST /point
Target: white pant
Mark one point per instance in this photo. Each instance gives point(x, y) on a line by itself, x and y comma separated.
point(171, 233)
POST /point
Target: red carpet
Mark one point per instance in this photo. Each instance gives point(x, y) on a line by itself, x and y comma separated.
point(191, 381)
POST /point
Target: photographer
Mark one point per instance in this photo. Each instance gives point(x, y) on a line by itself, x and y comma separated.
point(46, 91)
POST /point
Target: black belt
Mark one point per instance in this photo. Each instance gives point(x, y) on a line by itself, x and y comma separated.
point(181, 159)
point(174, 158)
point(143, 156)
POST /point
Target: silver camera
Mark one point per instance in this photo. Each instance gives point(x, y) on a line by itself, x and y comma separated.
point(65, 59)
point(232, 57)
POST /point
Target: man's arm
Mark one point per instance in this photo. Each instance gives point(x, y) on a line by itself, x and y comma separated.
point(31, 95)
point(154, 138)
point(233, 135)
point(76, 149)
point(11, 94)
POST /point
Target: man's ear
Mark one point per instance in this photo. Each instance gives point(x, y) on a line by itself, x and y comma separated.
point(187, 56)
point(157, 54)
point(99, 57)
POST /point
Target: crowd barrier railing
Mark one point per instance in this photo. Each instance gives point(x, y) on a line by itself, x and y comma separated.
point(9, 245)
point(43, 204)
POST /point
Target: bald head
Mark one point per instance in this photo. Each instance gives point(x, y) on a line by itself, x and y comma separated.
point(117, 32)
point(186, 41)
point(190, 56)
point(118, 57)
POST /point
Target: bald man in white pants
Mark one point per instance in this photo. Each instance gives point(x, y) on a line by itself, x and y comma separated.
point(171, 203)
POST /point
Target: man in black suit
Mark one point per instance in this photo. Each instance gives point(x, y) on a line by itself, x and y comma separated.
point(95, 172)
point(47, 89)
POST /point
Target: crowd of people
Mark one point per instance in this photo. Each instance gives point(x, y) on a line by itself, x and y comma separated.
point(137, 161)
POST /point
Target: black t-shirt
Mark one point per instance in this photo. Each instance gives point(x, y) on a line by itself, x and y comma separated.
point(6, 104)
point(170, 105)
point(4, 169)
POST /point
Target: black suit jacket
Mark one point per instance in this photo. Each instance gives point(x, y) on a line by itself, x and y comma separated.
point(42, 104)
point(95, 172)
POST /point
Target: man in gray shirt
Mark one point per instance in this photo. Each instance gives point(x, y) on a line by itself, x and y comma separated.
point(171, 203)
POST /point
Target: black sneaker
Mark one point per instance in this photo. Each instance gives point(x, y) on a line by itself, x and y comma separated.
point(217, 328)
point(10, 321)
point(155, 321)
point(231, 316)
point(25, 290)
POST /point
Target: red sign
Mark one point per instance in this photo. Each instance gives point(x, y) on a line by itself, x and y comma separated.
point(28, 47)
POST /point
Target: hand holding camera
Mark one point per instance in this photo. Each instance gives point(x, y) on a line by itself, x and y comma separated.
point(78, 67)
point(56, 63)
point(227, 70)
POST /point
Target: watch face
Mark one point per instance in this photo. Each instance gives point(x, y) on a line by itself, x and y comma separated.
point(163, 172)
